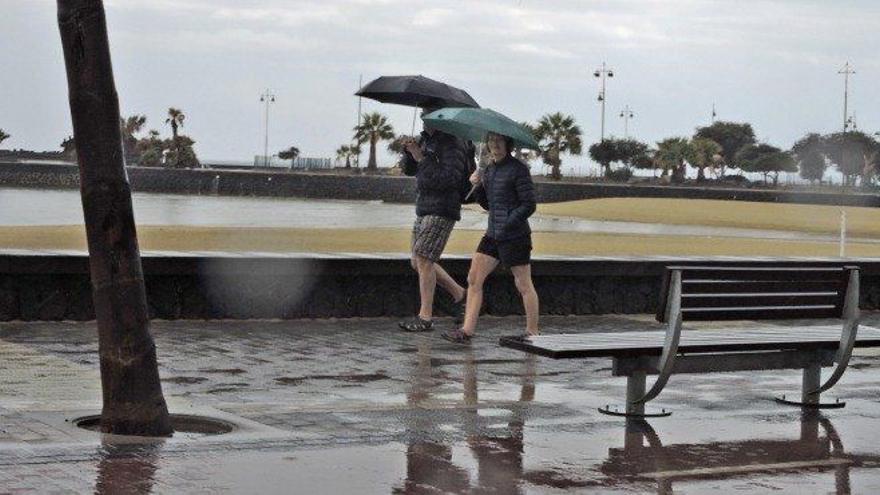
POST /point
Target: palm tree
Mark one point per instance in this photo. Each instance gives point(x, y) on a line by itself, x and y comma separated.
point(671, 154)
point(3, 136)
point(289, 154)
point(131, 126)
point(702, 154)
point(525, 156)
point(372, 129)
point(175, 118)
point(347, 152)
point(558, 134)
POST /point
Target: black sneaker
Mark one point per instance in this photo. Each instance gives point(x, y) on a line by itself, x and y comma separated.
point(416, 325)
point(457, 337)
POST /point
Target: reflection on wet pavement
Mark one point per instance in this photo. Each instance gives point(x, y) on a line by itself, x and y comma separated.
point(127, 468)
point(353, 406)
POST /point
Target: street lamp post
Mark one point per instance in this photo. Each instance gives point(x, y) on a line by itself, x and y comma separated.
point(626, 114)
point(846, 71)
point(601, 74)
point(267, 98)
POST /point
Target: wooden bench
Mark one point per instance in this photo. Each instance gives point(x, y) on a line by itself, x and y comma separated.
point(711, 293)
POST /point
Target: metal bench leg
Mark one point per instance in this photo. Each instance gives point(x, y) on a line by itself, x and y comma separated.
point(848, 335)
point(809, 396)
point(635, 390)
point(812, 384)
point(636, 397)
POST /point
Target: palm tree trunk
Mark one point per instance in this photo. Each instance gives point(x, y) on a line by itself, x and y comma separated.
point(132, 394)
point(371, 165)
point(555, 173)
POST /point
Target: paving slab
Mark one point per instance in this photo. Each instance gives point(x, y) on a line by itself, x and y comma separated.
point(355, 406)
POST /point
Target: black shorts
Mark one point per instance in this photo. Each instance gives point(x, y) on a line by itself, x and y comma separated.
point(513, 252)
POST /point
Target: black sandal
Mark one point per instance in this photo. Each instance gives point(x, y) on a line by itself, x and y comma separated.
point(457, 336)
point(417, 325)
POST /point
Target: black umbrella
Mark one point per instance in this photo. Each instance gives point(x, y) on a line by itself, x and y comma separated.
point(416, 91)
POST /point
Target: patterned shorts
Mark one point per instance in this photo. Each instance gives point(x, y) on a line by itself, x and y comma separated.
point(429, 236)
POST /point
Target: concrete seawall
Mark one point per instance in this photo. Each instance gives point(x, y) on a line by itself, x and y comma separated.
point(56, 287)
point(386, 188)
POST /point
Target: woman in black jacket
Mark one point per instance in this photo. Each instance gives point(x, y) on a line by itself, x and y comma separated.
point(506, 191)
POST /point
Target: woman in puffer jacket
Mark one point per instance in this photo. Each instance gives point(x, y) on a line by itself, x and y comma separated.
point(506, 191)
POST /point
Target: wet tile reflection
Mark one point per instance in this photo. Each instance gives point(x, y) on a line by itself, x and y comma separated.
point(430, 466)
point(127, 467)
point(644, 461)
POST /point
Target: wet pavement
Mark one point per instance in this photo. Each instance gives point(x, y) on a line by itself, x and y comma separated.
point(353, 406)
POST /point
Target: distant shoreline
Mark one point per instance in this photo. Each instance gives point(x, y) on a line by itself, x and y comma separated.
point(391, 188)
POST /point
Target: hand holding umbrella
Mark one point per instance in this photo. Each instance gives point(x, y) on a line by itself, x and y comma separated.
point(474, 124)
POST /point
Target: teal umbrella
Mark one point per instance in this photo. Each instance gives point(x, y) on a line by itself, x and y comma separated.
point(474, 123)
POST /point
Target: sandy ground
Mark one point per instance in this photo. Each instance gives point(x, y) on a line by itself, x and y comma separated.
point(195, 238)
point(861, 222)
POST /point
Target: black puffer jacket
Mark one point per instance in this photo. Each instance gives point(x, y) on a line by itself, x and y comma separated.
point(439, 175)
point(508, 194)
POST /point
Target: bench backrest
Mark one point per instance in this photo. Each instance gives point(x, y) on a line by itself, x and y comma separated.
point(758, 293)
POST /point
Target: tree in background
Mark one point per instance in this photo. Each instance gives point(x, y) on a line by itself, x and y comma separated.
point(809, 154)
point(703, 153)
point(732, 136)
point(612, 150)
point(3, 136)
point(852, 152)
point(764, 159)
point(151, 150)
point(604, 153)
point(68, 148)
point(671, 155)
point(646, 161)
point(130, 127)
point(347, 152)
point(373, 128)
point(396, 145)
point(289, 154)
point(179, 153)
point(526, 156)
point(175, 118)
point(630, 150)
point(557, 134)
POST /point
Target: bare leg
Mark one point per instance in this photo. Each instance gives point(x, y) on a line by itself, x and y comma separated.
point(481, 267)
point(522, 276)
point(449, 284)
point(427, 283)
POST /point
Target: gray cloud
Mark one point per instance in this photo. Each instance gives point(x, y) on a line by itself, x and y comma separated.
point(772, 63)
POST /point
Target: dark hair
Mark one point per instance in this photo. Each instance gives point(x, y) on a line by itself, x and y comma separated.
point(508, 142)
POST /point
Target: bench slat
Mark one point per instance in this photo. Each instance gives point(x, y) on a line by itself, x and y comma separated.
point(720, 301)
point(771, 286)
point(624, 344)
point(760, 313)
point(778, 292)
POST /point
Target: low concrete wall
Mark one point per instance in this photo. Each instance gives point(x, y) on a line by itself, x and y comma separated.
point(57, 287)
point(386, 188)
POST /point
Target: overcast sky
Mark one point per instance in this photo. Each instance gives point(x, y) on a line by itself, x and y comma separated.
point(771, 63)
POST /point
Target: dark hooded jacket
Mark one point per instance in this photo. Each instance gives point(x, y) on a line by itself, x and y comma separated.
point(508, 194)
point(439, 176)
